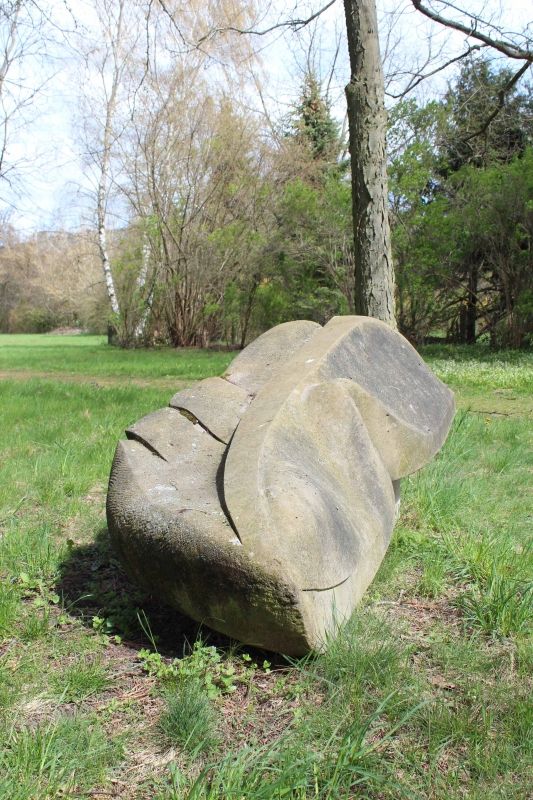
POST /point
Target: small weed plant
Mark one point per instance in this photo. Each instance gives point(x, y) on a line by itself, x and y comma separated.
point(204, 666)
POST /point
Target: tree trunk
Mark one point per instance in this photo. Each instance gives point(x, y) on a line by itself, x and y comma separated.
point(461, 328)
point(248, 313)
point(141, 283)
point(471, 304)
point(374, 274)
point(105, 159)
point(102, 241)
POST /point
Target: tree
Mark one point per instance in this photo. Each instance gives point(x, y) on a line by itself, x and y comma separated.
point(491, 227)
point(313, 125)
point(192, 173)
point(366, 116)
point(374, 273)
point(47, 280)
point(312, 244)
point(461, 229)
point(499, 185)
point(24, 38)
point(465, 137)
point(162, 159)
point(471, 138)
point(420, 228)
point(115, 54)
point(107, 86)
point(196, 31)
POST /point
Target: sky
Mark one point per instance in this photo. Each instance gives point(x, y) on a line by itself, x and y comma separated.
point(52, 187)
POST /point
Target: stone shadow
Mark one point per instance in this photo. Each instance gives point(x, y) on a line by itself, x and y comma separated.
point(95, 589)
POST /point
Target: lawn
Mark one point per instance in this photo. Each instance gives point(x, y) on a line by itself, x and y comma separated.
point(91, 355)
point(427, 693)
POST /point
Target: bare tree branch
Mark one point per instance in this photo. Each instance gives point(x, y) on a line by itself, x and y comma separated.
point(508, 48)
point(293, 24)
point(417, 78)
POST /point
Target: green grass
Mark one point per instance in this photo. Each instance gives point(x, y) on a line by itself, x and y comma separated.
point(425, 694)
point(488, 380)
point(62, 758)
point(91, 355)
point(189, 719)
point(80, 680)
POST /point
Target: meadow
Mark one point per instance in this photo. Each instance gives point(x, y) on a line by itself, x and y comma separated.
point(426, 693)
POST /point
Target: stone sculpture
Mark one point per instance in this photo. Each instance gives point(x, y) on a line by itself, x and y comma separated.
point(262, 503)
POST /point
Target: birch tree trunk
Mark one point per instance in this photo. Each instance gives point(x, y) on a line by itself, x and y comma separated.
point(374, 273)
point(115, 43)
point(141, 283)
point(102, 242)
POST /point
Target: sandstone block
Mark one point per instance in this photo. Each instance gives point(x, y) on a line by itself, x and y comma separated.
point(263, 502)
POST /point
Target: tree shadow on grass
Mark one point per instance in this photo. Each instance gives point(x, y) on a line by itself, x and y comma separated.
point(95, 589)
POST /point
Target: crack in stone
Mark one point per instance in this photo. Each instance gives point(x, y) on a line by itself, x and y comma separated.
point(195, 421)
point(220, 492)
point(133, 436)
point(328, 588)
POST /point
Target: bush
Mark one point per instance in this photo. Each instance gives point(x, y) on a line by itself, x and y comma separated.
point(27, 319)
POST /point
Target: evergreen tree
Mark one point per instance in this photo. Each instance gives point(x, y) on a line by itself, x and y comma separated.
point(313, 125)
point(462, 236)
point(468, 137)
point(311, 246)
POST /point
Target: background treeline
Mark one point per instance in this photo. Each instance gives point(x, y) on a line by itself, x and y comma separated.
point(237, 223)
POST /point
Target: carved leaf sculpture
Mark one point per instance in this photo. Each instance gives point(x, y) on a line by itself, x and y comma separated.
point(262, 503)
